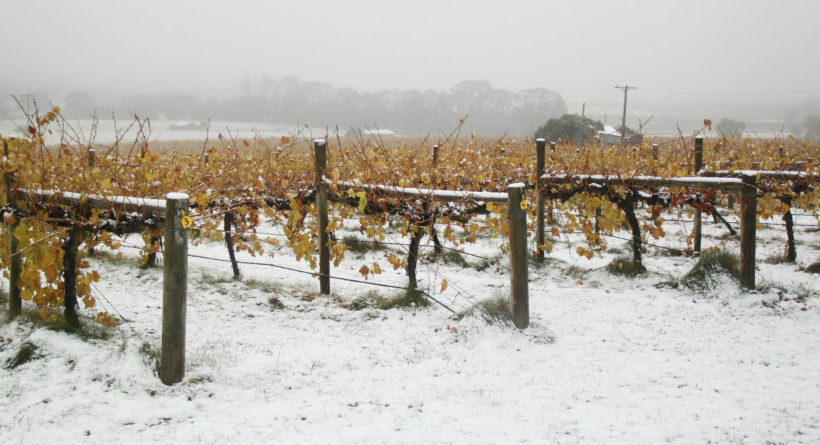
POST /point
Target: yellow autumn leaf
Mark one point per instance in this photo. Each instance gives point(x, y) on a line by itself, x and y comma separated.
point(443, 285)
point(554, 231)
point(364, 271)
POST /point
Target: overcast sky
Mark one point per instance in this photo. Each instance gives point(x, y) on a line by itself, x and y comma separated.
point(668, 49)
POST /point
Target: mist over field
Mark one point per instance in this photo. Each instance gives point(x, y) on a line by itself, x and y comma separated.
point(418, 68)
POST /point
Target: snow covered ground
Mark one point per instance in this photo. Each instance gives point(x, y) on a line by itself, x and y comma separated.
point(606, 359)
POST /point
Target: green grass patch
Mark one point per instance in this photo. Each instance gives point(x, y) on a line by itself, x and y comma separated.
point(368, 300)
point(406, 299)
point(496, 311)
point(487, 263)
point(266, 286)
point(713, 264)
point(215, 280)
point(26, 353)
point(625, 266)
point(152, 355)
point(361, 247)
point(777, 258)
point(455, 258)
point(116, 259)
point(87, 329)
point(813, 268)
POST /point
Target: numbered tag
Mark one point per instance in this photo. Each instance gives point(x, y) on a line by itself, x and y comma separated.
point(187, 222)
point(523, 205)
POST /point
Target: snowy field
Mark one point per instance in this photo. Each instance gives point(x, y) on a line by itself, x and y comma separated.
point(606, 359)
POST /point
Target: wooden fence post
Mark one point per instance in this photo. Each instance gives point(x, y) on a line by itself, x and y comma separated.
point(552, 150)
point(540, 148)
point(320, 156)
point(92, 157)
point(174, 290)
point(15, 302)
point(698, 212)
point(519, 276)
point(748, 230)
point(655, 152)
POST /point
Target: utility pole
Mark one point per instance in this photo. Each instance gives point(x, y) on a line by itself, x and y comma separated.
point(623, 119)
point(28, 99)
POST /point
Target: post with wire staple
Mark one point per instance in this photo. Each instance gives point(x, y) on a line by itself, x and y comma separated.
point(174, 289)
point(540, 155)
point(748, 230)
point(698, 212)
point(320, 157)
point(519, 276)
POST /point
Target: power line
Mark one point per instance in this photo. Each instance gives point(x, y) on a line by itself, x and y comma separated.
point(756, 93)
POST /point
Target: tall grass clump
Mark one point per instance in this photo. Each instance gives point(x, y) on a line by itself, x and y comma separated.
point(713, 264)
point(360, 247)
point(496, 311)
point(625, 266)
point(408, 298)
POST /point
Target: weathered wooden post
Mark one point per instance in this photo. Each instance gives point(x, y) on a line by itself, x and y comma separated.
point(15, 302)
point(519, 276)
point(174, 290)
point(552, 150)
point(434, 181)
point(540, 154)
point(698, 212)
point(748, 230)
point(92, 157)
point(320, 157)
point(655, 152)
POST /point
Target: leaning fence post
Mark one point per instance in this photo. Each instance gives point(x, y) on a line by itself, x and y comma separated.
point(540, 148)
point(174, 290)
point(698, 212)
point(320, 155)
point(748, 230)
point(15, 302)
point(519, 278)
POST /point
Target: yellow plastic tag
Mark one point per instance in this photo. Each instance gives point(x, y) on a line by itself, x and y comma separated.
point(523, 205)
point(187, 222)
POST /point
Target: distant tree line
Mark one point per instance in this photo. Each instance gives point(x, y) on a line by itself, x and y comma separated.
point(804, 121)
point(489, 111)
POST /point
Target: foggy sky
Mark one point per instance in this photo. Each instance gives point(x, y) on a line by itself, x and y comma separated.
point(678, 51)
